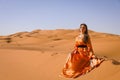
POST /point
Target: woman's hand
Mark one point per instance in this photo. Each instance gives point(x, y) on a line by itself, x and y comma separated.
point(91, 55)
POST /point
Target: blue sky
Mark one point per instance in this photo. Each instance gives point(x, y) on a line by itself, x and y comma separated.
point(28, 15)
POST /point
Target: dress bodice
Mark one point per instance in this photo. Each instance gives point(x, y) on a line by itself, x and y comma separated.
point(79, 40)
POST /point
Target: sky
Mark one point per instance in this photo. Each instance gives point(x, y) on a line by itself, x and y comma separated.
point(28, 15)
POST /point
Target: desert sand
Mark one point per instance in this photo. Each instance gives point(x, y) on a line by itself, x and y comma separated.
point(41, 55)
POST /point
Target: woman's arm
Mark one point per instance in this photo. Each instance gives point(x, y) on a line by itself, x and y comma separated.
point(90, 49)
point(76, 43)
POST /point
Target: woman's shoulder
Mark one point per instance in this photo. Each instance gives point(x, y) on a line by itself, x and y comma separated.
point(77, 37)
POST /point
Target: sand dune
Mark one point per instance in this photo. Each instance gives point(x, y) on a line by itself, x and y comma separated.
point(41, 54)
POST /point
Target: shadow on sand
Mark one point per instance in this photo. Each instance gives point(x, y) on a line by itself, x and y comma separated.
point(115, 62)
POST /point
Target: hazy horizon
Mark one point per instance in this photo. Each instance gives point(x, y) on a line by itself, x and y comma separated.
point(28, 15)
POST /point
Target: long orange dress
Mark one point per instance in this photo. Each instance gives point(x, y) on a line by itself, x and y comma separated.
point(80, 61)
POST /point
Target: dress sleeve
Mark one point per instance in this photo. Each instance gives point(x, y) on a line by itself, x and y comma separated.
point(76, 43)
point(90, 48)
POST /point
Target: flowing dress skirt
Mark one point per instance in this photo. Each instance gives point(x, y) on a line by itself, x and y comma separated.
point(78, 63)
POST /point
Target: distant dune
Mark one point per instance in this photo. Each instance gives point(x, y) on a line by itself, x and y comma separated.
point(41, 54)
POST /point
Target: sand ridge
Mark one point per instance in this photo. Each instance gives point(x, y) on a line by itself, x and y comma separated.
point(41, 54)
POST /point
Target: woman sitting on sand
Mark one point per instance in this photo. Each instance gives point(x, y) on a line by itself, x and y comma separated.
point(82, 59)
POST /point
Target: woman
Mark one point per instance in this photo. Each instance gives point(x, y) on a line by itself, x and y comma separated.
point(82, 59)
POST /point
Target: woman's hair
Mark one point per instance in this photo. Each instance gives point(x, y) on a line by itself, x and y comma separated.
point(86, 36)
point(86, 32)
